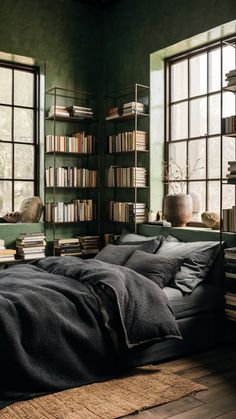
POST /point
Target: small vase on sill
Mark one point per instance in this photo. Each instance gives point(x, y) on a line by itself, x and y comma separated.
point(178, 209)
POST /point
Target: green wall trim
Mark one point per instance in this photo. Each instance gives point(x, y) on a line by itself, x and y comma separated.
point(9, 232)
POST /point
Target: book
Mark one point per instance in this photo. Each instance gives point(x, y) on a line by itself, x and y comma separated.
point(4, 252)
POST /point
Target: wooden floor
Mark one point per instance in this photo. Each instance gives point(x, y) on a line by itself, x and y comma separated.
point(215, 369)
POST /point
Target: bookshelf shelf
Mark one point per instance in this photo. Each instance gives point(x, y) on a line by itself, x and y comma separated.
point(71, 130)
point(123, 118)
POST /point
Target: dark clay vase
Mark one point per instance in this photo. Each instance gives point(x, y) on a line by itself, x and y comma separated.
point(178, 209)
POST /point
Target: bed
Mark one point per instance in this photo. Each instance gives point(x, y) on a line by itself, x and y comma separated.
point(66, 322)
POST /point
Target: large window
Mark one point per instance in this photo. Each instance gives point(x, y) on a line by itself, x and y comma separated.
point(195, 104)
point(18, 135)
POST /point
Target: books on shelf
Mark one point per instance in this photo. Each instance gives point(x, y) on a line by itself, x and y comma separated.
point(126, 177)
point(231, 175)
point(79, 142)
point(112, 113)
point(89, 244)
point(230, 277)
point(230, 78)
point(70, 177)
point(31, 246)
point(229, 124)
point(73, 211)
point(74, 111)
point(132, 107)
point(128, 141)
point(128, 212)
point(229, 219)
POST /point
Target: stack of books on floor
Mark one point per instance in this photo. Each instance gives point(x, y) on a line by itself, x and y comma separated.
point(67, 247)
point(80, 112)
point(89, 244)
point(31, 246)
point(6, 255)
point(128, 212)
point(132, 107)
point(230, 283)
point(58, 111)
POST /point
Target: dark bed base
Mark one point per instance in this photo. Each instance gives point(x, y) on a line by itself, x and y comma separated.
point(199, 332)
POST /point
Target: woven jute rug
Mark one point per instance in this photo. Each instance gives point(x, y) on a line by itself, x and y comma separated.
point(147, 387)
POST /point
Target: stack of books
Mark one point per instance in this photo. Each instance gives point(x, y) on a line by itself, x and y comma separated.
point(80, 112)
point(71, 177)
point(6, 255)
point(126, 177)
point(58, 111)
point(89, 244)
point(132, 107)
point(230, 77)
point(230, 279)
point(128, 212)
point(67, 247)
point(231, 176)
point(229, 219)
point(30, 246)
point(77, 143)
point(112, 113)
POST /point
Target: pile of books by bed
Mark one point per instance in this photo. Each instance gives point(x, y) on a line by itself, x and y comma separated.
point(6, 255)
point(67, 247)
point(30, 246)
point(89, 244)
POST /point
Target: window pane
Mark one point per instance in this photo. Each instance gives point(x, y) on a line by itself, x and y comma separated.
point(177, 167)
point(213, 200)
point(179, 80)
point(214, 70)
point(213, 170)
point(228, 192)
point(23, 125)
point(228, 61)
point(5, 197)
point(24, 161)
point(197, 159)
point(179, 121)
point(228, 153)
point(198, 189)
point(228, 104)
point(5, 160)
point(22, 190)
point(5, 85)
point(5, 123)
point(198, 75)
point(23, 88)
point(198, 117)
point(214, 115)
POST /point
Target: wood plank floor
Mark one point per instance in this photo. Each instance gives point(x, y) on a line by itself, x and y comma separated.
point(216, 369)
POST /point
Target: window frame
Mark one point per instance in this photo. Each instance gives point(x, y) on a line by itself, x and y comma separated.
point(35, 70)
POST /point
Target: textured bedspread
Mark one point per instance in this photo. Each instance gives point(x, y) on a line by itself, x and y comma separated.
point(56, 320)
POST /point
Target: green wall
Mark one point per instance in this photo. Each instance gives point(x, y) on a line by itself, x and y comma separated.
point(134, 29)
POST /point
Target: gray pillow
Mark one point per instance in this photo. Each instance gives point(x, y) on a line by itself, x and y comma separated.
point(160, 269)
point(198, 258)
point(128, 237)
point(118, 255)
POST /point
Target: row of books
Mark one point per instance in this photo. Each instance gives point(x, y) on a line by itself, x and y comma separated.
point(31, 246)
point(230, 282)
point(229, 124)
point(230, 78)
point(70, 177)
point(128, 141)
point(77, 246)
point(77, 143)
point(74, 211)
point(231, 175)
point(126, 177)
point(128, 212)
point(80, 112)
point(128, 108)
point(229, 219)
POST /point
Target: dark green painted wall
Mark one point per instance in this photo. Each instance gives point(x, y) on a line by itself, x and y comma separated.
point(135, 28)
point(63, 33)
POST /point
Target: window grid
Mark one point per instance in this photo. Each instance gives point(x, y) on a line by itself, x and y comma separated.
point(208, 95)
point(34, 144)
